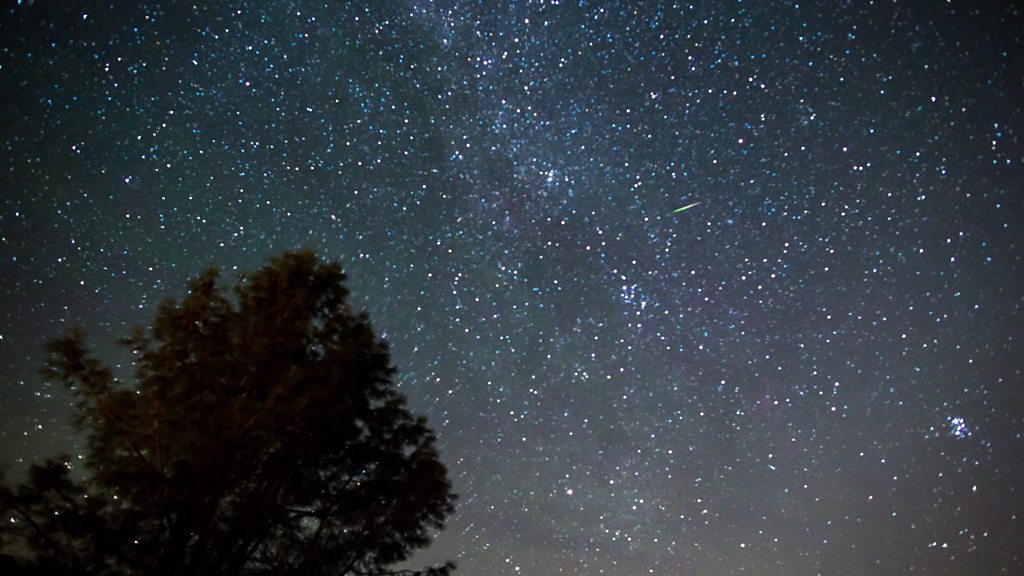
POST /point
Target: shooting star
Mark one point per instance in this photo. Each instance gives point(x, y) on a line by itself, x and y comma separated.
point(687, 207)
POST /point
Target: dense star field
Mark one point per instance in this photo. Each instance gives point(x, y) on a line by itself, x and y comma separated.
point(815, 368)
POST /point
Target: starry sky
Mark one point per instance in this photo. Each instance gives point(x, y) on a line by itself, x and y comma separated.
point(816, 369)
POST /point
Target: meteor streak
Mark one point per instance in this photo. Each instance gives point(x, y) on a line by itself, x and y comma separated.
point(687, 207)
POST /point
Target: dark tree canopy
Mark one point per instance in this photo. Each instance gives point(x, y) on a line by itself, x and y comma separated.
point(263, 435)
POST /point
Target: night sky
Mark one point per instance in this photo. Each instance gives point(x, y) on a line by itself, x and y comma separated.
point(814, 369)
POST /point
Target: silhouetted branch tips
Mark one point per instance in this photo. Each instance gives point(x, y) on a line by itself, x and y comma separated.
point(444, 570)
point(263, 434)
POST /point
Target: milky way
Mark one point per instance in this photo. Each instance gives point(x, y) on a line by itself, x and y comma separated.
point(815, 369)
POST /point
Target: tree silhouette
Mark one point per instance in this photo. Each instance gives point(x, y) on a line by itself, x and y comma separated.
point(263, 435)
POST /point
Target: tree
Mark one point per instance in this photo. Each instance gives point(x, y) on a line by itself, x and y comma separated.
point(263, 435)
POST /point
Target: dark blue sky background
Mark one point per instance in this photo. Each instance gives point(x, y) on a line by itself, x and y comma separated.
point(815, 370)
